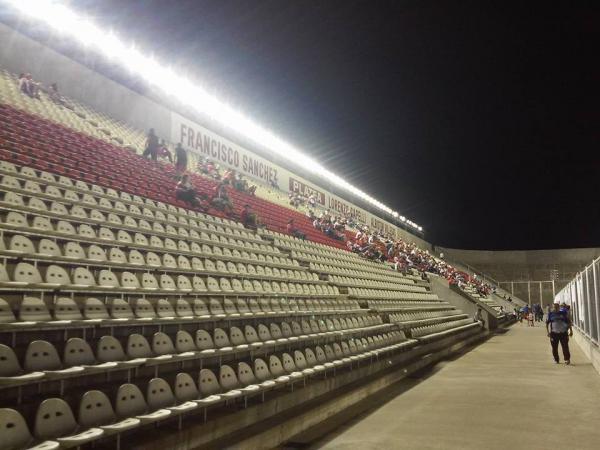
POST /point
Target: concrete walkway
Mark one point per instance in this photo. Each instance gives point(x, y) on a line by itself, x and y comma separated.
point(505, 394)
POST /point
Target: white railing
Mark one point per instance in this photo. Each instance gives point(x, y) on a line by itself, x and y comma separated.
point(583, 294)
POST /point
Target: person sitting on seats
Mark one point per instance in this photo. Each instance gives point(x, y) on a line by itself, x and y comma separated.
point(221, 201)
point(185, 192)
point(291, 229)
point(249, 218)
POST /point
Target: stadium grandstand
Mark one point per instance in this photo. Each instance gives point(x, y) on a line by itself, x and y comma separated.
point(174, 275)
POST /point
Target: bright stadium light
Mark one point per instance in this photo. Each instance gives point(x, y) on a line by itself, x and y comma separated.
point(65, 21)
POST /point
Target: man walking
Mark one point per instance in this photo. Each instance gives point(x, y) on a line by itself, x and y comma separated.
point(558, 324)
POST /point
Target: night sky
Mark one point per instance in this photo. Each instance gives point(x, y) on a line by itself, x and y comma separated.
point(477, 120)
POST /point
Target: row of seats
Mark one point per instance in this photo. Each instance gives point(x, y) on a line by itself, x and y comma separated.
point(100, 255)
point(362, 266)
point(395, 305)
point(55, 424)
point(26, 276)
point(443, 328)
point(361, 282)
point(45, 146)
point(41, 359)
point(411, 316)
point(33, 311)
point(77, 217)
point(42, 226)
point(366, 293)
point(62, 187)
point(389, 277)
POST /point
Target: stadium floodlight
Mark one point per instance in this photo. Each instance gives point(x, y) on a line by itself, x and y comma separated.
point(67, 22)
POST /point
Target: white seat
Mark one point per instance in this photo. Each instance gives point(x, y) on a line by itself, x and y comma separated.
point(11, 371)
point(42, 356)
point(33, 309)
point(160, 395)
point(130, 403)
point(95, 410)
point(15, 433)
point(209, 387)
point(229, 382)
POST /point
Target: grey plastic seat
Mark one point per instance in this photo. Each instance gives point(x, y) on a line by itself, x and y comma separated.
point(209, 387)
point(11, 371)
point(21, 245)
point(15, 433)
point(41, 356)
point(65, 309)
point(33, 309)
point(94, 310)
point(229, 382)
point(54, 420)
point(160, 395)
point(185, 388)
point(109, 349)
point(131, 403)
point(95, 410)
point(78, 352)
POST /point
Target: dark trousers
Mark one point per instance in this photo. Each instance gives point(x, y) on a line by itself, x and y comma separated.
point(563, 338)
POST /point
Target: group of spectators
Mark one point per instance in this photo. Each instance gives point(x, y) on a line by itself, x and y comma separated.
point(32, 88)
point(406, 256)
point(332, 226)
point(296, 200)
point(229, 177)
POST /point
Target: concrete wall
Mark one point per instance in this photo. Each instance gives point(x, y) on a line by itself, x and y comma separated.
point(591, 350)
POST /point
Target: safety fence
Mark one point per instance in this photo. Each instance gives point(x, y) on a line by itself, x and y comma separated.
point(583, 295)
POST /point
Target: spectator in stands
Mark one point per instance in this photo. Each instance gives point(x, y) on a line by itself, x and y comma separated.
point(558, 324)
point(181, 159)
point(291, 229)
point(163, 151)
point(249, 218)
point(221, 201)
point(28, 86)
point(151, 149)
point(185, 192)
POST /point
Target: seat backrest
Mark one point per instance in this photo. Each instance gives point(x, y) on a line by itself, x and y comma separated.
point(184, 342)
point(53, 419)
point(77, 353)
point(245, 374)
point(120, 309)
point(57, 275)
point(6, 313)
point(300, 360)
point(311, 358)
point(95, 409)
point(162, 344)
point(138, 346)
point(27, 273)
point(34, 309)
point(48, 247)
point(110, 349)
point(17, 219)
point(129, 280)
point(164, 308)
point(65, 308)
point(93, 308)
point(228, 378)
point(41, 355)
point(83, 277)
point(129, 401)
point(275, 366)
point(208, 383)
point(199, 307)
point(13, 429)
point(204, 340)
point(237, 336)
point(21, 244)
point(185, 388)
point(215, 306)
point(261, 370)
point(288, 362)
point(9, 364)
point(159, 394)
point(221, 339)
point(143, 308)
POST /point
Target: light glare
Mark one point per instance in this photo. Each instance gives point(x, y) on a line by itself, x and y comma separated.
point(67, 22)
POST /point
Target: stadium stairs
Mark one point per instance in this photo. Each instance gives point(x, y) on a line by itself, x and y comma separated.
point(130, 321)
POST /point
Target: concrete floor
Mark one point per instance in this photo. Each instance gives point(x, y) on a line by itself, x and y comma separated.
point(505, 394)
